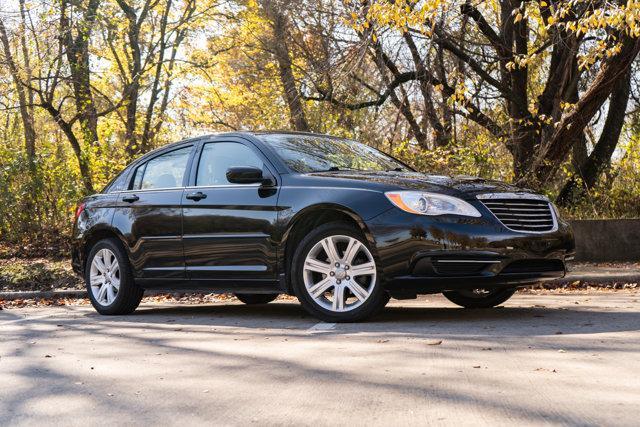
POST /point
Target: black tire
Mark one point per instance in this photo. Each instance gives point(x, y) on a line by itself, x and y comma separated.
point(254, 299)
point(377, 298)
point(129, 294)
point(467, 299)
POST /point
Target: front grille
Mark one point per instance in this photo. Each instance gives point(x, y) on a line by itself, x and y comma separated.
point(458, 268)
point(534, 266)
point(522, 214)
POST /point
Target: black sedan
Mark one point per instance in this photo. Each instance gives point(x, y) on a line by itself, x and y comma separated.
point(336, 223)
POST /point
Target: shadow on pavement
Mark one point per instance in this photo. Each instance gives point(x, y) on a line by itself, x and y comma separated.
point(509, 321)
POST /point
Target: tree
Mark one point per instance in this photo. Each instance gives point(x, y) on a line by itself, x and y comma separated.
point(590, 169)
point(526, 54)
point(146, 60)
point(278, 45)
point(25, 94)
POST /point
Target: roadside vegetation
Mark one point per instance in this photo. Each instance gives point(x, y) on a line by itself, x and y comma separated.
point(542, 93)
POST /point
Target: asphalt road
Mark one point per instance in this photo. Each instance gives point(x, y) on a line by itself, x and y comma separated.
point(570, 359)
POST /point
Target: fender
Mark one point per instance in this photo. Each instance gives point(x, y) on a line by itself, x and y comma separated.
point(284, 253)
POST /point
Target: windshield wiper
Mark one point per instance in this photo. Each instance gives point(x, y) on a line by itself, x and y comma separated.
point(337, 169)
point(395, 170)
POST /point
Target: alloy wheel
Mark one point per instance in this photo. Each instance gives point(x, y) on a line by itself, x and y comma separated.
point(339, 273)
point(104, 277)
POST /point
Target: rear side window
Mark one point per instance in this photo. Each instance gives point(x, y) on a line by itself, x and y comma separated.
point(119, 183)
point(164, 171)
point(218, 157)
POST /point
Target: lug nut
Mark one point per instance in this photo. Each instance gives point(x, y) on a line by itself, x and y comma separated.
point(338, 281)
point(346, 267)
point(337, 264)
point(348, 278)
point(332, 274)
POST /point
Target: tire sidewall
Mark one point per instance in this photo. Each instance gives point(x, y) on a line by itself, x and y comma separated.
point(371, 306)
point(125, 276)
point(255, 299)
point(495, 299)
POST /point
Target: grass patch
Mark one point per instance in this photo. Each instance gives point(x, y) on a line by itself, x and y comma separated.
point(37, 274)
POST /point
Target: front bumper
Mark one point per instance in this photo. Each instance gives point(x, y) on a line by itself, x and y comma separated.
point(420, 254)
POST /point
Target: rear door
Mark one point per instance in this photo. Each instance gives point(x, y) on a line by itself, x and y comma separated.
point(150, 216)
point(228, 232)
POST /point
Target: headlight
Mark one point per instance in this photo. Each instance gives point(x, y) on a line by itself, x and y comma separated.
point(420, 203)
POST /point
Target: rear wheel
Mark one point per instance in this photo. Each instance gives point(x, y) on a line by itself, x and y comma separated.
point(252, 299)
point(109, 281)
point(335, 276)
point(479, 298)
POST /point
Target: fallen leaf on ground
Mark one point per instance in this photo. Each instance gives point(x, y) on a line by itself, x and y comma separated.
point(476, 367)
point(434, 342)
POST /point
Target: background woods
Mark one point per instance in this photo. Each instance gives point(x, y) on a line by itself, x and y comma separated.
point(543, 93)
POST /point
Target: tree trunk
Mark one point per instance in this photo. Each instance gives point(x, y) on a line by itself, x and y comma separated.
point(77, 52)
point(164, 67)
point(23, 102)
point(83, 164)
point(600, 158)
point(135, 69)
point(281, 53)
point(147, 133)
point(572, 126)
point(441, 136)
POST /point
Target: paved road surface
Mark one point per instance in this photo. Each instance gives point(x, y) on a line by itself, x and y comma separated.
point(542, 359)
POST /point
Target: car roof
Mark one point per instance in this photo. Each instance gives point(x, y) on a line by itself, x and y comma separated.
point(256, 133)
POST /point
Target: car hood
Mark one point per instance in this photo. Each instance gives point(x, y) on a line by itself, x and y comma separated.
point(465, 185)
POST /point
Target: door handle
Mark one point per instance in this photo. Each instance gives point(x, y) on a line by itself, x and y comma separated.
point(196, 196)
point(132, 198)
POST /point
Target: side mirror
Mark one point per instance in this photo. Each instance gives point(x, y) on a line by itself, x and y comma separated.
point(245, 175)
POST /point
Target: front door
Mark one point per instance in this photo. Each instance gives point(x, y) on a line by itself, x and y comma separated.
point(228, 227)
point(150, 216)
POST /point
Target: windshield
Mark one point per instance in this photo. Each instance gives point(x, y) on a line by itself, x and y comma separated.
point(309, 153)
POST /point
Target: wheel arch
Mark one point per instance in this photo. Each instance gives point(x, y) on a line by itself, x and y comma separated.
point(97, 235)
point(308, 219)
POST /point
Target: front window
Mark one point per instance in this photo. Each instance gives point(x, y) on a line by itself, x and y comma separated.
point(218, 157)
point(309, 153)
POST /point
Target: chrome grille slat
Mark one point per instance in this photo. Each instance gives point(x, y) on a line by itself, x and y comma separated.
point(521, 213)
point(516, 203)
point(528, 221)
point(528, 226)
point(509, 209)
point(525, 215)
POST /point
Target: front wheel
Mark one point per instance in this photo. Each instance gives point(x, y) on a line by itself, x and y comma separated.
point(253, 299)
point(479, 298)
point(335, 276)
